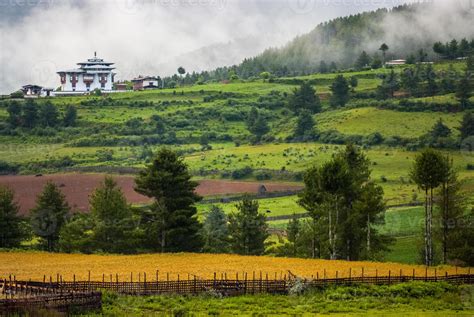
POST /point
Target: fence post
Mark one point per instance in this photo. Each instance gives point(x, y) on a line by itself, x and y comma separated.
point(376, 276)
point(362, 273)
point(195, 285)
point(436, 276)
point(350, 274)
point(144, 281)
point(245, 284)
point(401, 273)
point(266, 282)
point(389, 277)
point(261, 281)
point(426, 274)
point(414, 275)
point(89, 281)
point(214, 282)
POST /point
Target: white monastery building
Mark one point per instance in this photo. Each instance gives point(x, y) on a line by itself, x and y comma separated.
point(92, 74)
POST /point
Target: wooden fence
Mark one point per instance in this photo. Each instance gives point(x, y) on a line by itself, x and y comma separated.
point(223, 285)
point(66, 302)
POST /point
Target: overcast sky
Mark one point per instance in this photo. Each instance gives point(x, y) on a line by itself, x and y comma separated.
point(150, 37)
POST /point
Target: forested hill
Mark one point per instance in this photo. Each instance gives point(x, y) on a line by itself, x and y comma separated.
point(406, 29)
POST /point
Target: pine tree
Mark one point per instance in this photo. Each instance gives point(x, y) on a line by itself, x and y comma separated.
point(248, 228)
point(363, 60)
point(305, 126)
point(467, 125)
point(410, 81)
point(257, 125)
point(384, 48)
point(113, 226)
point(215, 231)
point(389, 85)
point(168, 181)
point(49, 215)
point(14, 114)
point(340, 92)
point(464, 91)
point(12, 225)
point(440, 130)
point(428, 172)
point(30, 114)
point(70, 116)
point(345, 207)
point(48, 115)
point(293, 229)
point(304, 98)
point(451, 204)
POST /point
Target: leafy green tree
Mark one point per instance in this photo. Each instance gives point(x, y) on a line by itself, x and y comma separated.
point(440, 130)
point(248, 228)
point(305, 98)
point(265, 75)
point(467, 125)
point(428, 172)
point(113, 225)
point(340, 92)
point(49, 215)
point(181, 70)
point(215, 232)
point(173, 214)
point(305, 126)
point(70, 116)
point(12, 225)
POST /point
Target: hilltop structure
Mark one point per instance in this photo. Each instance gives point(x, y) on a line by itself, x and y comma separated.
point(93, 74)
point(147, 82)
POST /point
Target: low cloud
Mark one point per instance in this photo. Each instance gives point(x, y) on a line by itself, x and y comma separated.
point(40, 37)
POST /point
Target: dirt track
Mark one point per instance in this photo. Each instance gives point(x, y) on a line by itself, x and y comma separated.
point(77, 188)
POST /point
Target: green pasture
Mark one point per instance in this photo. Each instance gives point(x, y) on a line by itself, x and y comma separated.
point(365, 121)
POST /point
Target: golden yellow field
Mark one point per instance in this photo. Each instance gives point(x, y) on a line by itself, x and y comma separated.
point(34, 265)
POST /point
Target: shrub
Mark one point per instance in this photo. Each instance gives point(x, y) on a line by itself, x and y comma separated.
point(242, 173)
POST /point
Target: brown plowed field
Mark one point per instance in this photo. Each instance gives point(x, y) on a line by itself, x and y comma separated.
point(77, 188)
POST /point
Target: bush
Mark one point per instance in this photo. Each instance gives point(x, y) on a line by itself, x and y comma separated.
point(263, 175)
point(242, 173)
point(8, 168)
point(17, 94)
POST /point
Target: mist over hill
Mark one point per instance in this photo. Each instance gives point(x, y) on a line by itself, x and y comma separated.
point(405, 29)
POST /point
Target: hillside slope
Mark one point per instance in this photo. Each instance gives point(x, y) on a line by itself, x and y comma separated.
point(405, 29)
